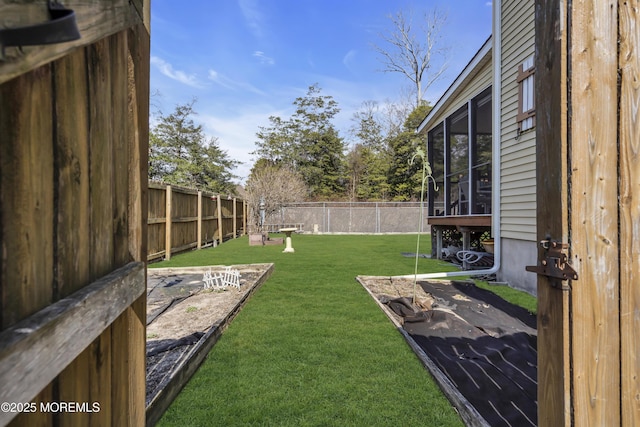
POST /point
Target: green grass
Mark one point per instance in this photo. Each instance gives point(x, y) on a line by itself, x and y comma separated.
point(311, 348)
point(514, 296)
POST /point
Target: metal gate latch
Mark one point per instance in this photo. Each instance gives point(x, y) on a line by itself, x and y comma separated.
point(554, 264)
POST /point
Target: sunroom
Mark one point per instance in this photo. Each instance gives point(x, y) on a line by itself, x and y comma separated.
point(458, 132)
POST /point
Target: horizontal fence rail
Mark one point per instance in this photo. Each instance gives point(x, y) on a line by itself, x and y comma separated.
point(195, 219)
point(354, 217)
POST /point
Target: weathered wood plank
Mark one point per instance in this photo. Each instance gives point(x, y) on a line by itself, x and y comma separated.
point(72, 164)
point(138, 107)
point(629, 64)
point(27, 195)
point(137, 315)
point(128, 397)
point(594, 213)
point(99, 378)
point(120, 345)
point(73, 219)
point(36, 349)
point(119, 63)
point(36, 419)
point(235, 218)
point(464, 221)
point(152, 221)
point(101, 150)
point(219, 214)
point(184, 219)
point(554, 398)
point(96, 20)
point(74, 385)
point(199, 226)
point(168, 222)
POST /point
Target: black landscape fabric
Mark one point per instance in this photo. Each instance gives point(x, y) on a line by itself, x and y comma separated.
point(483, 344)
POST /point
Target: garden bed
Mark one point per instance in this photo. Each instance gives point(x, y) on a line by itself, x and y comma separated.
point(480, 349)
point(184, 321)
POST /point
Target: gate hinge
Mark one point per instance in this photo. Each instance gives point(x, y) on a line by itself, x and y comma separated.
point(554, 263)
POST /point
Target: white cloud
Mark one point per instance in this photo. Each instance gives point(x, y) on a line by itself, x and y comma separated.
point(167, 69)
point(231, 84)
point(348, 59)
point(252, 16)
point(264, 59)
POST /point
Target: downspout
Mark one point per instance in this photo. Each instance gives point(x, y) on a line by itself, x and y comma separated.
point(496, 170)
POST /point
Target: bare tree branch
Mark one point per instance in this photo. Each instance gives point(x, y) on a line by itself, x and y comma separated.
point(418, 53)
point(275, 186)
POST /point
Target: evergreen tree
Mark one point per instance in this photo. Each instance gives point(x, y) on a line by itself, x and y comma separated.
point(180, 154)
point(368, 161)
point(405, 178)
point(308, 143)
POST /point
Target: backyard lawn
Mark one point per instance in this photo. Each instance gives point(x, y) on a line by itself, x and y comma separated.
point(311, 347)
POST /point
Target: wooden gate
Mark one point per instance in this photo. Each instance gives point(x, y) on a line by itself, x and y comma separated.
point(588, 177)
point(73, 180)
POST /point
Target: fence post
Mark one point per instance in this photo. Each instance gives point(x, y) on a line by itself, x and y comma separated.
point(168, 225)
point(244, 217)
point(219, 201)
point(235, 219)
point(199, 227)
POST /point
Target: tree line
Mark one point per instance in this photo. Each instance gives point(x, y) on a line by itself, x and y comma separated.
point(306, 149)
point(304, 156)
point(373, 165)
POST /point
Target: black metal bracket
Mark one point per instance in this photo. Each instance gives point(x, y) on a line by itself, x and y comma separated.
point(555, 263)
point(61, 28)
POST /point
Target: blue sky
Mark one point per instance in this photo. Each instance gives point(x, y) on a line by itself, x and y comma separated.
point(246, 60)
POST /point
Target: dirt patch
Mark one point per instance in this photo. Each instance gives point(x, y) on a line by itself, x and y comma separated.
point(183, 322)
point(178, 305)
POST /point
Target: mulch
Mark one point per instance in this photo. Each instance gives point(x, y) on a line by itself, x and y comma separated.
point(486, 346)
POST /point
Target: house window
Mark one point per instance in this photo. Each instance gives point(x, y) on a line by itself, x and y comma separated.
point(526, 117)
point(460, 150)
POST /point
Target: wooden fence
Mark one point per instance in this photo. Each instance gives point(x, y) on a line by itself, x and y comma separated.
point(197, 219)
point(73, 156)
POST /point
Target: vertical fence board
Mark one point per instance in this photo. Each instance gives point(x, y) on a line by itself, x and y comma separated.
point(36, 420)
point(168, 226)
point(235, 218)
point(100, 77)
point(27, 204)
point(594, 213)
point(26, 197)
point(137, 357)
point(99, 378)
point(72, 162)
point(138, 136)
point(554, 391)
point(73, 381)
point(120, 167)
point(199, 230)
point(73, 218)
point(138, 90)
point(100, 138)
point(156, 220)
point(219, 216)
point(629, 63)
